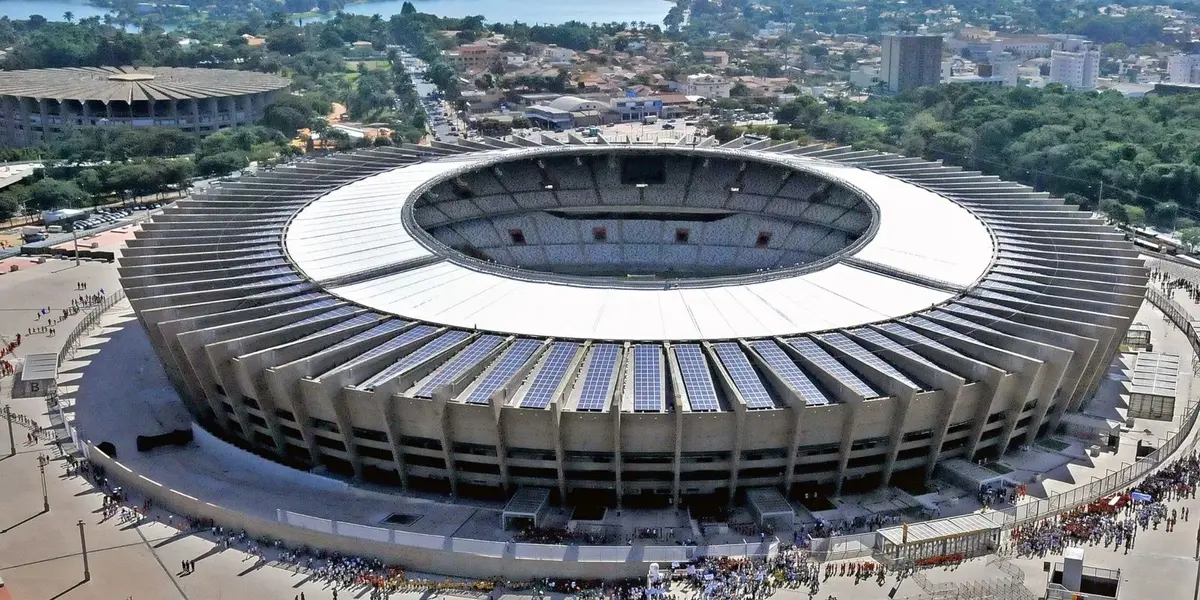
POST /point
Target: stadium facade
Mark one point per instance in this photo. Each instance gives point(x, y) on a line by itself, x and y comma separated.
point(630, 324)
point(36, 105)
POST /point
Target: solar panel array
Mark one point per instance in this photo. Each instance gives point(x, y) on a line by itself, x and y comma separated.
point(513, 359)
point(599, 374)
point(554, 367)
point(913, 336)
point(648, 387)
point(283, 291)
point(697, 380)
point(790, 372)
point(337, 312)
point(418, 356)
point(462, 362)
point(848, 347)
point(971, 325)
point(378, 330)
point(412, 335)
point(886, 342)
point(744, 377)
point(824, 361)
point(362, 319)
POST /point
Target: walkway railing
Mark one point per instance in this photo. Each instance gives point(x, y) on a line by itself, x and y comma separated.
point(71, 344)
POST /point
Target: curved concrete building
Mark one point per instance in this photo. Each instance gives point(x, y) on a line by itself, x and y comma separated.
point(37, 104)
point(630, 324)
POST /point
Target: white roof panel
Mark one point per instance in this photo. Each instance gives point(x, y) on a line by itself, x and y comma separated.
point(360, 227)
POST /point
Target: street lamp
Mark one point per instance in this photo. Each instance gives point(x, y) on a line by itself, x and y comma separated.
point(45, 492)
point(87, 574)
point(12, 439)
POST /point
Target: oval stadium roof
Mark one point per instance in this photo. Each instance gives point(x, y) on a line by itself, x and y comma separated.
point(132, 84)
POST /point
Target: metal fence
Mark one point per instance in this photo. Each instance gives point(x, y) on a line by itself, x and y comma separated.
point(71, 344)
point(1115, 481)
point(1118, 480)
point(1009, 587)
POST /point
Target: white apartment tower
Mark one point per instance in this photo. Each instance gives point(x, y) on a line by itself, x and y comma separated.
point(1076, 70)
point(1006, 66)
point(1184, 68)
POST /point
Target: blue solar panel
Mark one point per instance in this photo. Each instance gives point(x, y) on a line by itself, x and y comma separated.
point(378, 330)
point(554, 367)
point(846, 346)
point(917, 338)
point(786, 368)
point(599, 377)
point(744, 377)
point(697, 380)
point(886, 342)
point(337, 312)
point(514, 358)
point(647, 378)
point(417, 357)
point(462, 362)
point(822, 359)
point(410, 336)
point(291, 289)
point(344, 325)
point(969, 325)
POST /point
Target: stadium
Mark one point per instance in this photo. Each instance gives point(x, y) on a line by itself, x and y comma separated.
point(630, 325)
point(37, 104)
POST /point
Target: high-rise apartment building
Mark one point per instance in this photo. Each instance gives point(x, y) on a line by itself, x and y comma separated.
point(1183, 68)
point(911, 60)
point(1076, 70)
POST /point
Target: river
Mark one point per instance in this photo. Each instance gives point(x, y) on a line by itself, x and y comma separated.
point(587, 11)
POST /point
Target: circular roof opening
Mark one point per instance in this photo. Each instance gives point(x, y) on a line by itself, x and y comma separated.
point(130, 77)
point(642, 216)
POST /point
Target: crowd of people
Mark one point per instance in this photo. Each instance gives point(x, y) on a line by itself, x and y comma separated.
point(1114, 522)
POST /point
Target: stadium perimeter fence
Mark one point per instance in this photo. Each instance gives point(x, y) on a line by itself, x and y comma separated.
point(856, 546)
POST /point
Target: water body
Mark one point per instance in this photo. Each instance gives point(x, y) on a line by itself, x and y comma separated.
point(52, 10)
point(507, 11)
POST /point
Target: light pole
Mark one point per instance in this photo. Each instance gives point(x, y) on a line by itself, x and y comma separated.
point(87, 574)
point(45, 492)
point(12, 439)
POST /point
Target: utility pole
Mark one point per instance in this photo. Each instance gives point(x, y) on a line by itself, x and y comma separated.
point(12, 439)
point(87, 574)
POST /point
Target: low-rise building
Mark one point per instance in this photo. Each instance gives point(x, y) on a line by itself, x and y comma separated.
point(473, 56)
point(717, 58)
point(704, 84)
point(636, 108)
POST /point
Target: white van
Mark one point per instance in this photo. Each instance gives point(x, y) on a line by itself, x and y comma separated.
point(54, 229)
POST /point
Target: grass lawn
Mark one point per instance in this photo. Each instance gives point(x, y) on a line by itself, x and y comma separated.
point(371, 65)
point(1054, 445)
point(999, 468)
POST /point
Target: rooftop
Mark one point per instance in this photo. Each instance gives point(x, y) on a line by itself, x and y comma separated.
point(132, 84)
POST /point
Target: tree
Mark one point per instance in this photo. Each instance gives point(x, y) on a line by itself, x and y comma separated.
point(1190, 237)
point(69, 16)
point(1135, 215)
point(50, 194)
point(9, 207)
point(222, 163)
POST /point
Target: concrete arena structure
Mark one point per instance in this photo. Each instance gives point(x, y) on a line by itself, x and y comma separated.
point(37, 104)
point(630, 324)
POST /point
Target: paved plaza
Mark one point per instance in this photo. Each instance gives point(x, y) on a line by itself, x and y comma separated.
point(117, 389)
